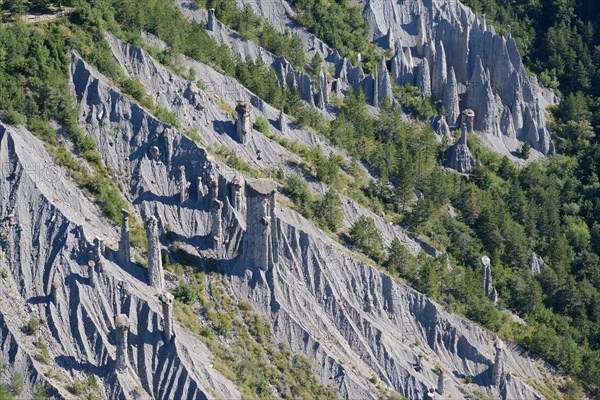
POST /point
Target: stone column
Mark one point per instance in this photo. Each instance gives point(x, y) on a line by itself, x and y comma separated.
point(237, 193)
point(121, 331)
point(214, 187)
point(155, 269)
point(468, 118)
point(124, 253)
point(210, 22)
point(216, 230)
point(323, 86)
point(498, 368)
point(99, 253)
point(166, 299)
point(260, 205)
point(375, 90)
point(419, 365)
point(488, 288)
point(54, 291)
point(243, 124)
point(202, 189)
point(440, 385)
point(183, 185)
point(169, 136)
point(281, 121)
point(92, 273)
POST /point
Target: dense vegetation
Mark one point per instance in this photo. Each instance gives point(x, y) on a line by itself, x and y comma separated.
point(341, 26)
point(504, 212)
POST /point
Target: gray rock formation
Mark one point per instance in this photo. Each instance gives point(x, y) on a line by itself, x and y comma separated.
point(488, 67)
point(121, 334)
point(414, 30)
point(92, 272)
point(98, 254)
point(216, 230)
point(201, 189)
point(183, 185)
point(440, 384)
point(166, 299)
point(442, 129)
point(79, 321)
point(536, 263)
point(439, 77)
point(488, 288)
point(498, 367)
point(237, 193)
point(468, 119)
point(384, 83)
point(210, 21)
point(124, 254)
point(55, 291)
point(168, 133)
point(424, 78)
point(402, 66)
point(458, 156)
point(309, 284)
point(260, 195)
point(243, 125)
point(451, 99)
point(155, 268)
point(281, 124)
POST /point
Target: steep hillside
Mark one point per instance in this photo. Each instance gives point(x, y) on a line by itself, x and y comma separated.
point(223, 201)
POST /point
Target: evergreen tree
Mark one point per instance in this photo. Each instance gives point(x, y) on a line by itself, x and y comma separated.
point(365, 236)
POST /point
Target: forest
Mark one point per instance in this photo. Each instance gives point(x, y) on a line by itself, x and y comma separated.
point(551, 207)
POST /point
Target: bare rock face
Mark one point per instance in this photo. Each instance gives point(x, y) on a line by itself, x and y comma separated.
point(488, 288)
point(536, 263)
point(326, 303)
point(442, 129)
point(458, 156)
point(243, 125)
point(121, 331)
point(155, 268)
point(487, 67)
point(451, 99)
point(260, 210)
point(54, 228)
point(510, 104)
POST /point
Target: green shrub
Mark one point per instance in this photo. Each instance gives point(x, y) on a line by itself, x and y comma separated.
point(43, 129)
point(328, 211)
point(223, 325)
point(261, 125)
point(77, 388)
point(44, 351)
point(40, 392)
point(17, 384)
point(166, 116)
point(525, 150)
point(13, 117)
point(134, 88)
point(186, 293)
point(4, 273)
point(297, 188)
point(410, 98)
point(32, 327)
